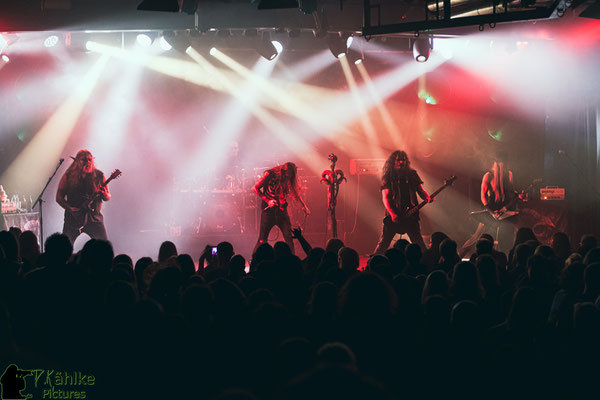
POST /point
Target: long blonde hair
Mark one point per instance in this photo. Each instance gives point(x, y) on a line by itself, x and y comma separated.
point(497, 182)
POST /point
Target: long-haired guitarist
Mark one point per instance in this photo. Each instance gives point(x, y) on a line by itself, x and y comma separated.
point(81, 185)
point(400, 185)
point(274, 188)
point(497, 188)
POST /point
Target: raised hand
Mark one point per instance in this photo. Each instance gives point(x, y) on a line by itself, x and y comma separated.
point(296, 233)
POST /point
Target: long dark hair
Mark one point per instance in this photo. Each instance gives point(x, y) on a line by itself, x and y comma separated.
point(390, 174)
point(288, 180)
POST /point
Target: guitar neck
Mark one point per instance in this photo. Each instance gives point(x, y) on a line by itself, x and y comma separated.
point(422, 204)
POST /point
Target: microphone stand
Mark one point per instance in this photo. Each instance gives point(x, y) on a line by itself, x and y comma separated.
point(41, 201)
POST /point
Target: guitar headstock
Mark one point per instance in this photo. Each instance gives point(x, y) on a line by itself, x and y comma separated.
point(450, 180)
point(115, 174)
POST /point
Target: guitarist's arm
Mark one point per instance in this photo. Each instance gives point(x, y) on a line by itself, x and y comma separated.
point(297, 195)
point(423, 194)
point(385, 198)
point(61, 195)
point(484, 185)
point(259, 190)
point(103, 192)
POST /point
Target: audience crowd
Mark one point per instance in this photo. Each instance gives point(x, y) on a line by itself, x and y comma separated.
point(411, 324)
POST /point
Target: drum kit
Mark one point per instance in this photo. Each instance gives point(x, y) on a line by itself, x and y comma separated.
point(223, 203)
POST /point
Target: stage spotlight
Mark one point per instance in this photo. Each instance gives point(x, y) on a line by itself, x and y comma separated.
point(337, 44)
point(5, 58)
point(266, 48)
point(213, 51)
point(143, 40)
point(359, 61)
point(3, 42)
point(349, 40)
point(421, 49)
point(162, 42)
point(177, 39)
point(159, 5)
point(51, 41)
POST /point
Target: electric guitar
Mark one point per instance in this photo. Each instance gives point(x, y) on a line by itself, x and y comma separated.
point(505, 212)
point(90, 204)
point(412, 211)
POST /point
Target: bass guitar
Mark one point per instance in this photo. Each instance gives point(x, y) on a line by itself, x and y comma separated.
point(412, 211)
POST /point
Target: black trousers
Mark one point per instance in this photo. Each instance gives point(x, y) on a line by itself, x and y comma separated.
point(390, 229)
point(94, 228)
point(271, 217)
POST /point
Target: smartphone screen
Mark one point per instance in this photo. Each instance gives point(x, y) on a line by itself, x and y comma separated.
point(214, 251)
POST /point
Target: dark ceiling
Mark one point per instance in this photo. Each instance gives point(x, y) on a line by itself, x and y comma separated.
point(382, 16)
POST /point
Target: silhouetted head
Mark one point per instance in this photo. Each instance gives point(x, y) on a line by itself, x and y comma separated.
point(166, 250)
point(186, 263)
point(401, 244)
point(348, 259)
point(367, 296)
point(263, 252)
point(465, 283)
point(9, 244)
point(484, 246)
point(334, 245)
point(58, 249)
point(436, 240)
point(591, 277)
point(544, 251)
point(523, 235)
point(336, 353)
point(413, 253)
point(448, 249)
point(586, 243)
point(323, 300)
point(592, 256)
point(522, 314)
point(522, 253)
point(561, 245)
point(571, 277)
point(487, 236)
point(488, 273)
point(123, 258)
point(237, 265)
point(281, 250)
point(28, 244)
point(435, 284)
point(397, 260)
point(224, 253)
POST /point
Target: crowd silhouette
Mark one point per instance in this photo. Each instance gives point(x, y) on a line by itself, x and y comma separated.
point(411, 323)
